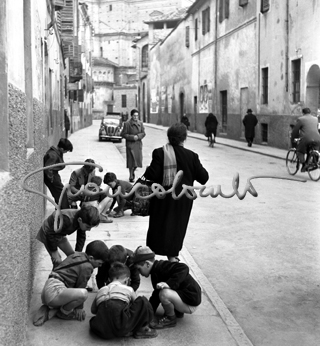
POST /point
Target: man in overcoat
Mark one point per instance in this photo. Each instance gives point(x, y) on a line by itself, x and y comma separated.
point(250, 121)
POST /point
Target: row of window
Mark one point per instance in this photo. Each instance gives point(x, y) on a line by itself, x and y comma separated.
point(295, 82)
point(223, 14)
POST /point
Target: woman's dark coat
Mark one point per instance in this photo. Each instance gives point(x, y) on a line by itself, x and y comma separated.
point(169, 218)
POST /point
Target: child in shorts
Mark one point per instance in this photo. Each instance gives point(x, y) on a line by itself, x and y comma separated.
point(123, 203)
point(174, 287)
point(119, 312)
point(64, 292)
point(73, 220)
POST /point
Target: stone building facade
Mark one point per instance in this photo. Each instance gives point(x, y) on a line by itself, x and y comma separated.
point(117, 24)
point(36, 69)
point(241, 54)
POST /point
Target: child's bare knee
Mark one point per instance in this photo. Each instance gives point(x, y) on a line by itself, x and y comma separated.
point(164, 294)
point(83, 294)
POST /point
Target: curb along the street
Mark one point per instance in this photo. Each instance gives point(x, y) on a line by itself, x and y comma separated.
point(238, 145)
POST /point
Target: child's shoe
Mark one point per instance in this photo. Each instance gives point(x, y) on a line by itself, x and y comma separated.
point(118, 214)
point(164, 322)
point(178, 313)
point(145, 333)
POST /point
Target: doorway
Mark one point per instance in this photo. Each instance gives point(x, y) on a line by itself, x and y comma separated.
point(313, 89)
point(224, 110)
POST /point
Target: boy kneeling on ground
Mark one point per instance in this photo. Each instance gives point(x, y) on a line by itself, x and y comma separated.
point(119, 312)
point(174, 287)
point(65, 291)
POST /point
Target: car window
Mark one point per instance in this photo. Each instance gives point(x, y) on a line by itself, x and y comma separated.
point(111, 121)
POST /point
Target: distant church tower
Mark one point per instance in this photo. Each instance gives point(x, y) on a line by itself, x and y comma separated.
point(118, 22)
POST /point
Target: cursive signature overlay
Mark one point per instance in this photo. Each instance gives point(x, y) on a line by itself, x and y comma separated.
point(157, 189)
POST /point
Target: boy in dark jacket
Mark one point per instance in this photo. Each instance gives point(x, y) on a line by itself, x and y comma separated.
point(73, 220)
point(174, 287)
point(64, 292)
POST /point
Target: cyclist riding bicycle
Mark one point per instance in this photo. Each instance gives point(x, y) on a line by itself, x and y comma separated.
point(306, 129)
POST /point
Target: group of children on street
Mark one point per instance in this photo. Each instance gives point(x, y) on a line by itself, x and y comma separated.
point(118, 310)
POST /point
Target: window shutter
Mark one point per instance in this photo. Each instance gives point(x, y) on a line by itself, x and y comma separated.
point(221, 11)
point(196, 29)
point(208, 18)
point(265, 5)
point(80, 95)
point(187, 36)
point(203, 22)
point(243, 2)
point(227, 9)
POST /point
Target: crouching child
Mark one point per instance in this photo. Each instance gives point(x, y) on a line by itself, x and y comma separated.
point(174, 287)
point(64, 292)
point(119, 312)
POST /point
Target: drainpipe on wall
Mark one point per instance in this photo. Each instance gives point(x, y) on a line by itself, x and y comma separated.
point(258, 62)
point(287, 47)
point(216, 58)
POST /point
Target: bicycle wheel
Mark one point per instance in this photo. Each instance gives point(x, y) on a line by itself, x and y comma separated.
point(292, 162)
point(313, 166)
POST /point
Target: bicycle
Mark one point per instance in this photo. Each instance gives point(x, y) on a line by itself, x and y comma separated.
point(312, 161)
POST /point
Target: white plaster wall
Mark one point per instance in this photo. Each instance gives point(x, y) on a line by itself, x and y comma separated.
point(236, 67)
point(38, 22)
point(15, 43)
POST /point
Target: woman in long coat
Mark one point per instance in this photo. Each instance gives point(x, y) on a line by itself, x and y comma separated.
point(133, 132)
point(169, 218)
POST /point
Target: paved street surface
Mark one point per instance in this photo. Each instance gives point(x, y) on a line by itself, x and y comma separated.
point(257, 260)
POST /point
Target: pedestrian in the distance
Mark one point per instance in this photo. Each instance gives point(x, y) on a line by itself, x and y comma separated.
point(133, 132)
point(185, 121)
point(66, 122)
point(52, 178)
point(211, 125)
point(249, 121)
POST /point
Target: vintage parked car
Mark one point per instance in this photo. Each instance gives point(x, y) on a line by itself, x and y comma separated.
point(110, 128)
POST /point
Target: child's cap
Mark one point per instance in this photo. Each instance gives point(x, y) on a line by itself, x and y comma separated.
point(143, 253)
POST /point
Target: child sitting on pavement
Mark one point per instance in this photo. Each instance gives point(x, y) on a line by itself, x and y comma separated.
point(100, 201)
point(73, 220)
point(123, 203)
point(174, 287)
point(119, 312)
point(64, 292)
point(117, 253)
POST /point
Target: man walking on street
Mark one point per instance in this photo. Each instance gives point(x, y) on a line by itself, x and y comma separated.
point(249, 121)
